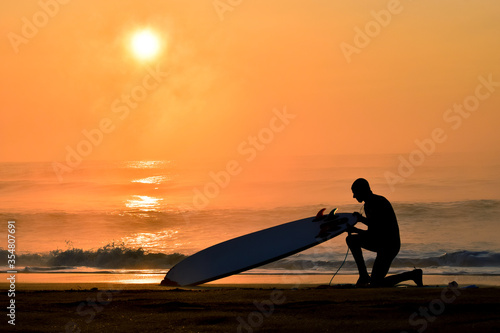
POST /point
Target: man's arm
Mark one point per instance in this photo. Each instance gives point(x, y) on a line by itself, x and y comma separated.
point(361, 218)
point(353, 229)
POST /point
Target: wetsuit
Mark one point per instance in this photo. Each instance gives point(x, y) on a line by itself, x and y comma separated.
point(381, 237)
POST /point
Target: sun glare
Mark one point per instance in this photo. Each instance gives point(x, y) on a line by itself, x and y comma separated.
point(145, 44)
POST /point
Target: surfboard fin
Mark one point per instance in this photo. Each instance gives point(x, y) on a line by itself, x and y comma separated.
point(326, 229)
point(320, 215)
point(332, 215)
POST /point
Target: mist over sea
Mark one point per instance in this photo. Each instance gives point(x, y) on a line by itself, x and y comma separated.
point(147, 215)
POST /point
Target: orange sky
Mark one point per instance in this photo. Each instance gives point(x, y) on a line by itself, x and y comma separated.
point(229, 67)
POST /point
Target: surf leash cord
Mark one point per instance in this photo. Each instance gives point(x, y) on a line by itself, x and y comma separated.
point(362, 211)
point(342, 264)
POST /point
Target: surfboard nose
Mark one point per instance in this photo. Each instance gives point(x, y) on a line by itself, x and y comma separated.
point(169, 283)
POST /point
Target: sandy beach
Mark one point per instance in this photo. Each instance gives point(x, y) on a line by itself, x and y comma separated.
point(252, 308)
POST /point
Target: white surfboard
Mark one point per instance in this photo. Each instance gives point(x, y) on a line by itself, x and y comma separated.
point(258, 248)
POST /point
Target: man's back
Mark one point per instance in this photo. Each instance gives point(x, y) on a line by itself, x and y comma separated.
point(382, 222)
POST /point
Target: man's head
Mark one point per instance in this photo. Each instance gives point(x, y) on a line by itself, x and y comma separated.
point(360, 189)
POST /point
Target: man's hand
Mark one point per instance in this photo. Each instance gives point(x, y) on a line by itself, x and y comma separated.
point(352, 229)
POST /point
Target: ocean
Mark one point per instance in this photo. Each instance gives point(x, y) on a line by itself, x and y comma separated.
point(142, 217)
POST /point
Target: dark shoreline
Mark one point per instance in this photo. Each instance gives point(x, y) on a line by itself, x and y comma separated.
point(253, 309)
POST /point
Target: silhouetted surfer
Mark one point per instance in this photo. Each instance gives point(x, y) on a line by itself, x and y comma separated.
point(381, 237)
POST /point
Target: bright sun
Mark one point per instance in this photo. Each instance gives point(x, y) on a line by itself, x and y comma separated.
point(145, 44)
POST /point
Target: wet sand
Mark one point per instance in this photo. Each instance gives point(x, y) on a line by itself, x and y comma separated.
point(240, 308)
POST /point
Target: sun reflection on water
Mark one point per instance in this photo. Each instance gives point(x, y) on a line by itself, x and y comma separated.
point(151, 180)
point(159, 241)
point(144, 203)
point(146, 164)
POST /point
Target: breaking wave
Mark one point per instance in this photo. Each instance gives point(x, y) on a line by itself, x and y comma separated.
point(108, 257)
point(465, 260)
point(112, 257)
